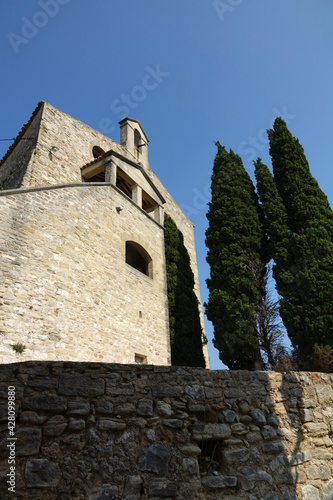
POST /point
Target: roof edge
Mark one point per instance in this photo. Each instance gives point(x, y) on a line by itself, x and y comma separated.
point(23, 130)
point(135, 121)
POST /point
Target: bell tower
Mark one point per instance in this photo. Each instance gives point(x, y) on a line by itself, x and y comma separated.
point(134, 139)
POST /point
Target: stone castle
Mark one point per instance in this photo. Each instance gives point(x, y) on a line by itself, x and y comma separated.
point(82, 262)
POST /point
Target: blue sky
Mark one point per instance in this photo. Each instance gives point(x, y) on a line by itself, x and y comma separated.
point(192, 71)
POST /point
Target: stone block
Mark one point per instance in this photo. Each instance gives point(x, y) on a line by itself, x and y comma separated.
point(133, 488)
point(107, 492)
point(191, 465)
point(47, 402)
point(271, 496)
point(306, 415)
point(299, 458)
point(277, 447)
point(104, 408)
point(239, 429)
point(55, 426)
point(40, 473)
point(254, 437)
point(166, 391)
point(145, 408)
point(164, 409)
point(268, 432)
point(155, 459)
point(111, 425)
point(124, 409)
point(316, 428)
point(258, 417)
point(195, 392)
point(327, 490)
point(190, 449)
point(318, 471)
point(278, 463)
point(83, 385)
point(273, 419)
point(28, 441)
point(309, 492)
point(163, 488)
point(30, 417)
point(236, 456)
point(78, 408)
point(325, 394)
point(125, 389)
point(219, 482)
point(210, 431)
point(173, 423)
point(76, 424)
point(249, 477)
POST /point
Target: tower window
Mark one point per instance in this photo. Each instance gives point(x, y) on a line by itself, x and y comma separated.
point(97, 152)
point(137, 139)
point(137, 257)
point(137, 142)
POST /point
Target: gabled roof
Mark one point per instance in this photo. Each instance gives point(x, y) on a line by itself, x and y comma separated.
point(136, 121)
point(138, 166)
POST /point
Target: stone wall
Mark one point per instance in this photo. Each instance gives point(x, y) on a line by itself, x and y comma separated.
point(122, 432)
point(66, 291)
point(37, 164)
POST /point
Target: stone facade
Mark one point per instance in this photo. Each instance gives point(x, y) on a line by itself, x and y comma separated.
point(66, 291)
point(125, 432)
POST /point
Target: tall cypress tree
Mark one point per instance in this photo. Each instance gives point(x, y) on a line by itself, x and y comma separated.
point(276, 226)
point(237, 265)
point(304, 251)
point(185, 328)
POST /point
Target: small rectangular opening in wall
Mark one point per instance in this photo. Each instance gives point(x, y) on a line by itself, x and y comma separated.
point(124, 182)
point(98, 178)
point(210, 460)
point(94, 174)
point(140, 359)
point(148, 204)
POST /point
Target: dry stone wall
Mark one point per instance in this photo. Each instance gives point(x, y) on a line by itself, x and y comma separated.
point(126, 432)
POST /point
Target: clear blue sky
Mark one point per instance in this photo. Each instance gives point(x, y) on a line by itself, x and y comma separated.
point(223, 70)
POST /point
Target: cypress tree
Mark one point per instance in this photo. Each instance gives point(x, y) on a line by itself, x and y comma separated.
point(237, 264)
point(303, 252)
point(185, 328)
point(276, 226)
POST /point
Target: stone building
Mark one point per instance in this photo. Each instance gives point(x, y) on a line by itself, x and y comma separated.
point(82, 263)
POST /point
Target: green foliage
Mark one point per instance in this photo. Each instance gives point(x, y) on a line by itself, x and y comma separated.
point(185, 328)
point(299, 222)
point(19, 347)
point(237, 258)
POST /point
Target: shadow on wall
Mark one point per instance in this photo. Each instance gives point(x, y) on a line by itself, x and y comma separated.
point(276, 443)
point(102, 431)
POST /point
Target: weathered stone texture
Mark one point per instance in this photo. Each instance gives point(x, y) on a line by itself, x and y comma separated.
point(98, 431)
point(65, 290)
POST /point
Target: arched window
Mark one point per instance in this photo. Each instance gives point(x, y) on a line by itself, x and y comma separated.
point(97, 152)
point(137, 257)
point(137, 139)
